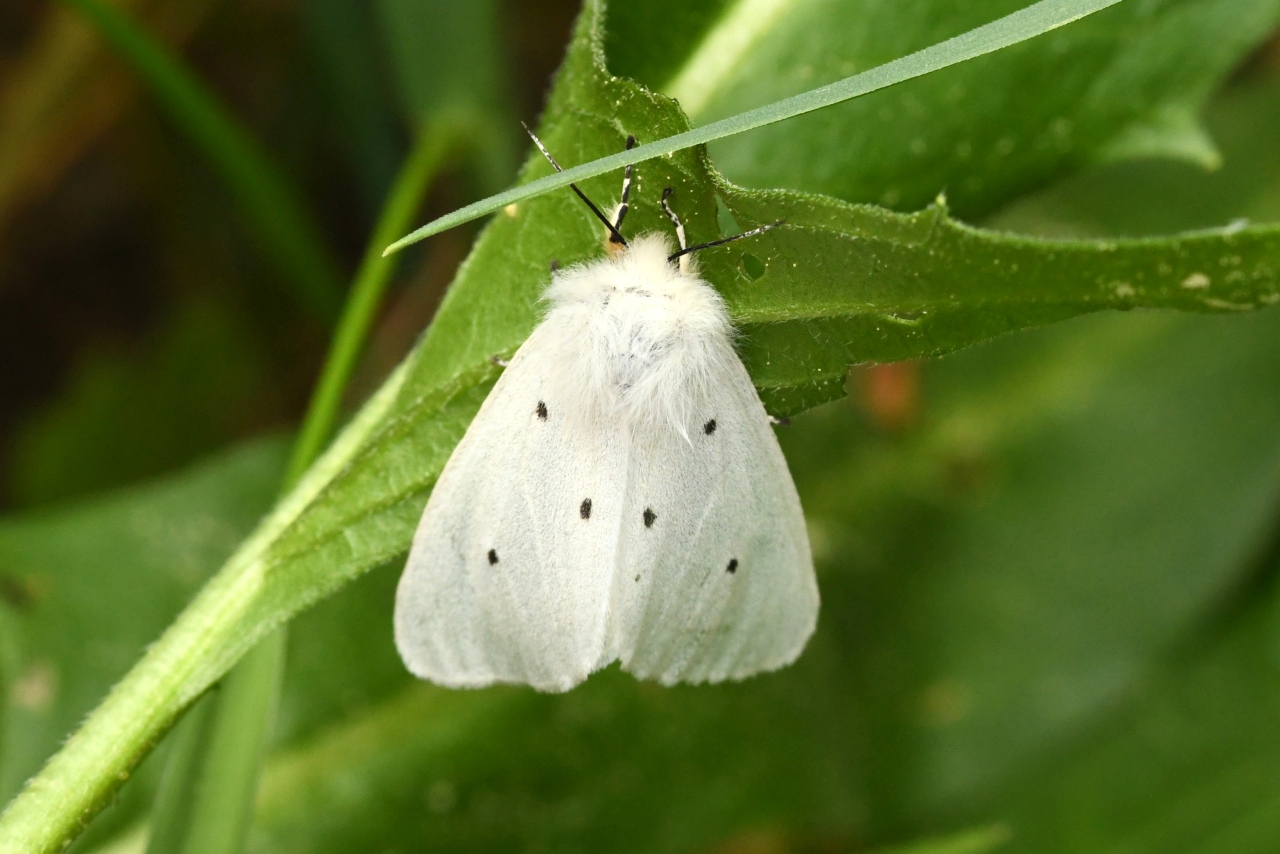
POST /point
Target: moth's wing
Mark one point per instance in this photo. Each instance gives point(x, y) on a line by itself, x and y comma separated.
point(721, 584)
point(506, 580)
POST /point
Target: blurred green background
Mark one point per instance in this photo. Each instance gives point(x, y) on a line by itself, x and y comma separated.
point(1048, 563)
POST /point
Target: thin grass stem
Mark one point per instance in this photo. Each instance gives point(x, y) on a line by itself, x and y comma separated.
point(279, 220)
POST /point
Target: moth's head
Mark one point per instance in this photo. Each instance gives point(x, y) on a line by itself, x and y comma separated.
point(617, 246)
point(648, 257)
point(651, 252)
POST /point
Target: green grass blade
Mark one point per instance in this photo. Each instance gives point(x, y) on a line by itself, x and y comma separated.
point(280, 221)
point(1021, 25)
point(233, 748)
point(177, 786)
point(370, 283)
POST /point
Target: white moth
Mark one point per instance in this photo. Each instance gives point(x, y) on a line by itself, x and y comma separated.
point(620, 496)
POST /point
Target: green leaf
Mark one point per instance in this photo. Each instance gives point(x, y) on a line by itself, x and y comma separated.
point(820, 301)
point(983, 131)
point(1014, 434)
point(1152, 198)
point(342, 659)
point(88, 587)
point(945, 704)
point(1173, 132)
point(991, 582)
point(1023, 24)
point(1086, 92)
point(1189, 764)
point(924, 285)
point(1077, 517)
point(616, 766)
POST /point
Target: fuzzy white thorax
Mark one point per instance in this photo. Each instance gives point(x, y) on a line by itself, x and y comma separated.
point(640, 338)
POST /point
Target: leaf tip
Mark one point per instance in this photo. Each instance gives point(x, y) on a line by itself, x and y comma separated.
point(407, 240)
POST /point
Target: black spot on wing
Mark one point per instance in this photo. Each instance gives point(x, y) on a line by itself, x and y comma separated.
point(493, 556)
point(733, 566)
point(649, 517)
point(709, 427)
point(585, 510)
point(542, 410)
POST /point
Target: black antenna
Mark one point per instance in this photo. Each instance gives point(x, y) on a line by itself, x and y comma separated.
point(615, 236)
point(626, 191)
point(752, 233)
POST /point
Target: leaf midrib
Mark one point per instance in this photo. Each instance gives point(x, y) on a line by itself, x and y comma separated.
point(724, 45)
point(836, 311)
